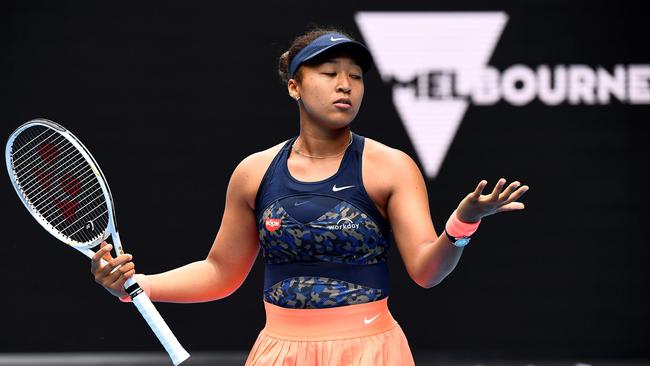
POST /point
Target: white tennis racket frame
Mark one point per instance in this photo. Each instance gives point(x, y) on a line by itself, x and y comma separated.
point(140, 299)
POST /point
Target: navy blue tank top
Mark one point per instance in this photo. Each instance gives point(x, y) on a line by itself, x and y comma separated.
point(325, 244)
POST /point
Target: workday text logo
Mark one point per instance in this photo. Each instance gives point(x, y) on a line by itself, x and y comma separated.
point(436, 63)
point(343, 224)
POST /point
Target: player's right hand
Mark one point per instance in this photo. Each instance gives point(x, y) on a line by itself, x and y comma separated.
point(116, 271)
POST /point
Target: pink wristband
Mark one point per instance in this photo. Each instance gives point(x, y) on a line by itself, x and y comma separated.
point(144, 284)
point(459, 229)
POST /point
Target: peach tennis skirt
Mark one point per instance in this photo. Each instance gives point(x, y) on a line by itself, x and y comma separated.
point(361, 334)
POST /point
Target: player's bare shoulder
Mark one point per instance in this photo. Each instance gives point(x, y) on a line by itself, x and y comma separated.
point(386, 168)
point(248, 174)
point(388, 159)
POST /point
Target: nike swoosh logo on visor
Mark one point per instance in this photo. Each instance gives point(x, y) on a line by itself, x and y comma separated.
point(299, 203)
point(336, 189)
point(336, 39)
point(368, 321)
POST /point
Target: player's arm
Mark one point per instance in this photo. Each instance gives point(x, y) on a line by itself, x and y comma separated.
point(232, 254)
point(228, 263)
point(428, 258)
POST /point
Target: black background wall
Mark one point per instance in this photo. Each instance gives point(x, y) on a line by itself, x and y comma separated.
point(170, 96)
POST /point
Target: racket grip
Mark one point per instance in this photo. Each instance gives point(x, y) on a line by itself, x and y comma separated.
point(141, 301)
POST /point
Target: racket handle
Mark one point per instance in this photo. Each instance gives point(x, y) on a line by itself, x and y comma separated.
point(140, 299)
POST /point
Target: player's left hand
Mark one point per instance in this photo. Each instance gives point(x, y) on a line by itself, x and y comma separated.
point(476, 206)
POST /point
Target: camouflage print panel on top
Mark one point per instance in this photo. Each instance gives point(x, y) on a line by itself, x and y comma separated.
point(319, 292)
point(331, 252)
point(344, 234)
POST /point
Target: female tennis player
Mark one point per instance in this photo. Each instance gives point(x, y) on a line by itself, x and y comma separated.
point(324, 207)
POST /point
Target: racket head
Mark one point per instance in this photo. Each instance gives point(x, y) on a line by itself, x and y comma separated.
point(60, 183)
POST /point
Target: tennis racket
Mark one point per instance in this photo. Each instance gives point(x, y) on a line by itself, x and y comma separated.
point(62, 186)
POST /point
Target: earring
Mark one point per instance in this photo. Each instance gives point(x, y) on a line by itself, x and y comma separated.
point(298, 99)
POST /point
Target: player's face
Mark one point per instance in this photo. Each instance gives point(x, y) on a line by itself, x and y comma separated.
point(331, 92)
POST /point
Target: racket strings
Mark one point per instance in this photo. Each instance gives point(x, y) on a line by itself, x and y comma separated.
point(41, 182)
point(29, 135)
point(41, 179)
point(85, 237)
point(51, 209)
point(60, 184)
point(60, 213)
point(69, 183)
point(43, 196)
point(47, 149)
point(39, 195)
point(63, 217)
point(38, 173)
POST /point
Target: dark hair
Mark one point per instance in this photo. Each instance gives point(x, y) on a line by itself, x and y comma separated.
point(298, 44)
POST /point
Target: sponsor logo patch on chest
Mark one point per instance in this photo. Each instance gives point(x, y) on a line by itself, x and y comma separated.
point(272, 224)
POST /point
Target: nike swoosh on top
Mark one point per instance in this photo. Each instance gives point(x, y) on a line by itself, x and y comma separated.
point(299, 203)
point(336, 189)
point(336, 39)
point(368, 321)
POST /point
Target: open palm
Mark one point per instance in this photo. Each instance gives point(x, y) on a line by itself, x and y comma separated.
point(475, 206)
